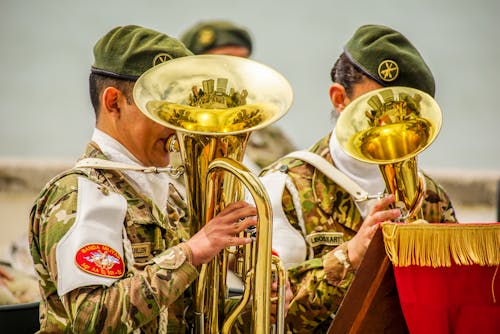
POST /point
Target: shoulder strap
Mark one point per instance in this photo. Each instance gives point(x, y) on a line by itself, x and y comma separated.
point(358, 193)
point(96, 163)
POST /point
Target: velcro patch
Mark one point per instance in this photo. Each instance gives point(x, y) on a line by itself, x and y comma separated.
point(325, 238)
point(141, 250)
point(100, 260)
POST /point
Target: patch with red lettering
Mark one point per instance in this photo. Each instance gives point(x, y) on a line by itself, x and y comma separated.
point(101, 260)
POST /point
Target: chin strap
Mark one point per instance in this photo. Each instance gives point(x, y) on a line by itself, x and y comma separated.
point(174, 172)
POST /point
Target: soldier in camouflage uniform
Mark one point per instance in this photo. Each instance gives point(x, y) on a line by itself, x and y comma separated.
point(111, 243)
point(223, 37)
point(320, 232)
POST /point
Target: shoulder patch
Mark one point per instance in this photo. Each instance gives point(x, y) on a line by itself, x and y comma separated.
point(101, 260)
point(94, 243)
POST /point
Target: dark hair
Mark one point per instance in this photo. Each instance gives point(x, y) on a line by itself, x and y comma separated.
point(98, 82)
point(344, 72)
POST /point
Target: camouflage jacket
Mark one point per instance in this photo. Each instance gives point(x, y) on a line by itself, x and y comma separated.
point(149, 288)
point(319, 284)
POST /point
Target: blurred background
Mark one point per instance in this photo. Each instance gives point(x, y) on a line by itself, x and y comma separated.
point(46, 53)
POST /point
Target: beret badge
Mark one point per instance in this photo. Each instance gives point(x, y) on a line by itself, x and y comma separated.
point(388, 70)
point(206, 36)
point(161, 58)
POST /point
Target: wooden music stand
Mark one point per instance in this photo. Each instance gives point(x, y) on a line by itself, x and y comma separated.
point(371, 304)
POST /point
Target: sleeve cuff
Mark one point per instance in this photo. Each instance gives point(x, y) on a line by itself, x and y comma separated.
point(171, 258)
point(337, 266)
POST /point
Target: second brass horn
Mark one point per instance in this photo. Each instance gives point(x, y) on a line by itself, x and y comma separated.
point(390, 127)
point(214, 102)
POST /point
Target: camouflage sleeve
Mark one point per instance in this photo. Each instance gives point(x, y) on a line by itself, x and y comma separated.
point(319, 285)
point(129, 302)
point(437, 206)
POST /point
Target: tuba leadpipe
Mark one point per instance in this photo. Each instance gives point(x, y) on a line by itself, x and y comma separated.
point(214, 103)
point(390, 127)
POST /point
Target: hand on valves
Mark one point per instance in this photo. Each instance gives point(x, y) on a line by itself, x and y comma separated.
point(222, 232)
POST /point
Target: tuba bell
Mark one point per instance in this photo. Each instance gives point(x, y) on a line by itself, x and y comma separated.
point(390, 127)
point(214, 102)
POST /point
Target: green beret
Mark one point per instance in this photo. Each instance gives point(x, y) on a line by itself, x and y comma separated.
point(207, 35)
point(127, 52)
point(389, 58)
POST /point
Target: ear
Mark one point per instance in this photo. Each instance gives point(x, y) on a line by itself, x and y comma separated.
point(110, 101)
point(109, 110)
point(338, 96)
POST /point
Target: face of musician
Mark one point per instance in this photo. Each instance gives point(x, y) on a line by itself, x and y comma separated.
point(121, 57)
point(121, 118)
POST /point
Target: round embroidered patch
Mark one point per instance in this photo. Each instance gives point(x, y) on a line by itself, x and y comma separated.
point(101, 260)
point(388, 70)
point(161, 58)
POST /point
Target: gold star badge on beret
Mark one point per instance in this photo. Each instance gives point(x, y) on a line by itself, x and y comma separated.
point(206, 36)
point(388, 70)
point(161, 58)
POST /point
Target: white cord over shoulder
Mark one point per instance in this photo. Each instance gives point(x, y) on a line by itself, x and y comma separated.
point(174, 172)
point(358, 193)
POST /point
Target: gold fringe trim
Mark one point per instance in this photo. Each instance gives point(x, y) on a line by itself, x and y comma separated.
point(440, 245)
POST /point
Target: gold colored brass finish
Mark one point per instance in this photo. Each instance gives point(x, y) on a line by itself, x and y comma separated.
point(214, 102)
point(390, 127)
point(168, 88)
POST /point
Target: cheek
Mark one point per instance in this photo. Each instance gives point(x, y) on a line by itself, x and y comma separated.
point(158, 136)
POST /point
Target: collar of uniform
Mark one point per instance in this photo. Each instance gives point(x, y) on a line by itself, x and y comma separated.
point(152, 185)
point(120, 183)
point(367, 175)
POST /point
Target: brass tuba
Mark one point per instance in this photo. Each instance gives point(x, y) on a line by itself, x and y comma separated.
point(214, 102)
point(389, 127)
